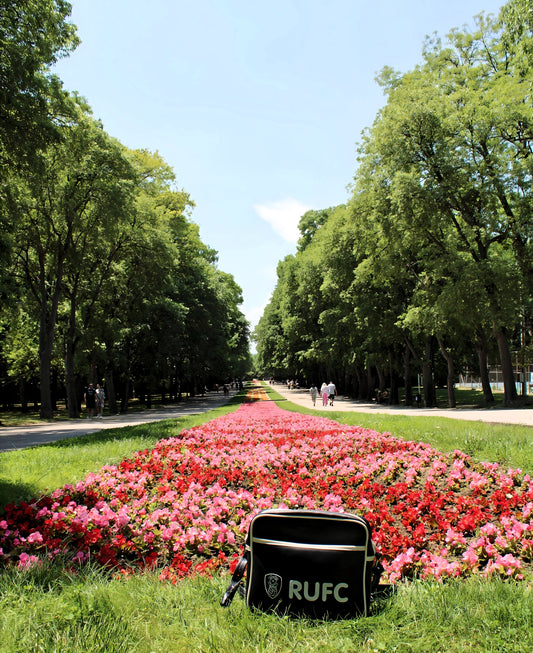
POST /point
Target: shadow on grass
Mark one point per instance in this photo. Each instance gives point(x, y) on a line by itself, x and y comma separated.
point(15, 492)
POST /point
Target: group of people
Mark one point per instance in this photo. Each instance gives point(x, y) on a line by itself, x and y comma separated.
point(94, 399)
point(328, 392)
point(292, 384)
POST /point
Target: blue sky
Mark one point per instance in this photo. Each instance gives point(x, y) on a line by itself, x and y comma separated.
point(257, 105)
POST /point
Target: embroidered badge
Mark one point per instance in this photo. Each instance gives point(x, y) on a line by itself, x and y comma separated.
point(273, 584)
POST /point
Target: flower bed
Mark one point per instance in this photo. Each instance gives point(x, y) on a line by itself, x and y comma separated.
point(186, 504)
point(257, 394)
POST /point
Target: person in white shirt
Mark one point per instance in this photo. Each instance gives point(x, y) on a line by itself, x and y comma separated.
point(100, 401)
point(332, 391)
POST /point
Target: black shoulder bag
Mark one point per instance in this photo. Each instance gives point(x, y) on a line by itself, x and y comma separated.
point(310, 563)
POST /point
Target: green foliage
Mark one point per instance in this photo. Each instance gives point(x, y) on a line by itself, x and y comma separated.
point(34, 34)
point(433, 252)
point(98, 254)
point(309, 224)
point(108, 260)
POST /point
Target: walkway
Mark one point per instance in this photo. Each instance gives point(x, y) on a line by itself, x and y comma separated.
point(21, 437)
point(495, 415)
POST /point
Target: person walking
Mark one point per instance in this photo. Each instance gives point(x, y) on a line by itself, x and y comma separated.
point(89, 398)
point(100, 401)
point(332, 392)
point(324, 392)
point(312, 392)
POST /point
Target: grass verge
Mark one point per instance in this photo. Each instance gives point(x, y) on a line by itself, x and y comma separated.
point(29, 473)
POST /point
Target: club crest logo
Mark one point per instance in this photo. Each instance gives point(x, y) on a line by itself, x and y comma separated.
point(273, 585)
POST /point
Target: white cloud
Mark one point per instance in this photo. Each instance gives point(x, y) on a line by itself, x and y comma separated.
point(253, 315)
point(283, 217)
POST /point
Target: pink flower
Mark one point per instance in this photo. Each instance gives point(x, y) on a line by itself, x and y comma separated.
point(192, 498)
point(471, 557)
point(27, 561)
point(35, 538)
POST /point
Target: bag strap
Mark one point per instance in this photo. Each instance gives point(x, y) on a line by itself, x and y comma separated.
point(377, 570)
point(235, 581)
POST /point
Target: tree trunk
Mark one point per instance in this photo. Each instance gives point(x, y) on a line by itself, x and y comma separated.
point(370, 383)
point(361, 383)
point(510, 395)
point(54, 389)
point(427, 375)
point(426, 367)
point(23, 396)
point(394, 382)
point(407, 376)
point(450, 381)
point(522, 354)
point(481, 348)
point(73, 401)
point(111, 395)
point(124, 400)
point(355, 383)
point(74, 404)
point(70, 382)
point(47, 327)
point(381, 379)
point(46, 340)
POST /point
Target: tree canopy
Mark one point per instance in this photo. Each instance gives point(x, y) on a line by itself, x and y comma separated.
point(105, 273)
point(431, 258)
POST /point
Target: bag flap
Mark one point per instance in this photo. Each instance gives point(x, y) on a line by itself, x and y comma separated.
point(310, 527)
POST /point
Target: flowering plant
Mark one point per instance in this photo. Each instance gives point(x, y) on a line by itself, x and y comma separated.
point(186, 505)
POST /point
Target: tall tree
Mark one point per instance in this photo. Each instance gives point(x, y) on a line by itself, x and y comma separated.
point(34, 34)
point(440, 145)
point(67, 207)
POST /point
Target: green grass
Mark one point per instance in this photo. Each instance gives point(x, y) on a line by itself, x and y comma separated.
point(54, 609)
point(473, 398)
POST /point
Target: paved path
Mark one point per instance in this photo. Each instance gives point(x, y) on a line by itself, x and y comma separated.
point(21, 437)
point(496, 415)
